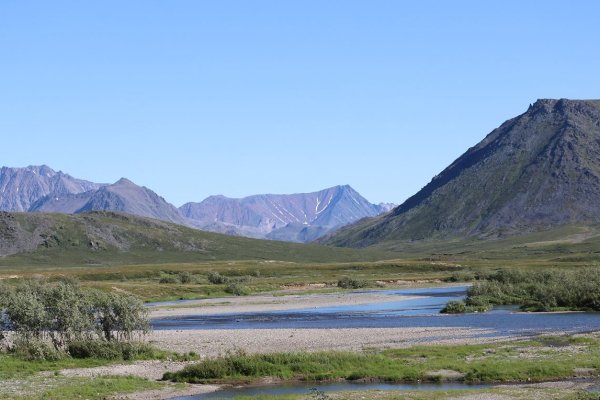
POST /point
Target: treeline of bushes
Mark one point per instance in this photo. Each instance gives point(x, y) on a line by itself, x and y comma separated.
point(237, 284)
point(233, 284)
point(548, 290)
point(53, 320)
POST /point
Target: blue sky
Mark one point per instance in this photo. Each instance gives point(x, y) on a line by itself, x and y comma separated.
point(193, 98)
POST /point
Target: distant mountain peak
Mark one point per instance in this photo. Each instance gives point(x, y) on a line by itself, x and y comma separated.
point(124, 181)
point(20, 188)
point(292, 217)
point(295, 217)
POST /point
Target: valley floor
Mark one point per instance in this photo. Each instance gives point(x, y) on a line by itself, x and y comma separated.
point(269, 302)
point(138, 380)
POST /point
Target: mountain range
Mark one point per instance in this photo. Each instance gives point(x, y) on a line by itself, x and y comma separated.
point(537, 171)
point(296, 217)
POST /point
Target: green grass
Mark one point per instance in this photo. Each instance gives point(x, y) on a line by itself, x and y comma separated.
point(121, 239)
point(12, 367)
point(60, 388)
point(98, 388)
point(156, 249)
point(262, 276)
point(536, 360)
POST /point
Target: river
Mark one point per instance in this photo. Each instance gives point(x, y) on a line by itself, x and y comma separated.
point(422, 311)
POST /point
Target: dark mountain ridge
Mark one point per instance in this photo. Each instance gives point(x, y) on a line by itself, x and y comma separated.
point(538, 170)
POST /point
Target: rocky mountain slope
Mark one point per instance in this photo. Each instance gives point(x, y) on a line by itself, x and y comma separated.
point(123, 196)
point(21, 187)
point(538, 170)
point(295, 217)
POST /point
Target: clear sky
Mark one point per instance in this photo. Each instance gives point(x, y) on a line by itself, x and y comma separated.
point(193, 98)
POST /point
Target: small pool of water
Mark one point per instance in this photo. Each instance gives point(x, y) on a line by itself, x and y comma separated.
point(305, 388)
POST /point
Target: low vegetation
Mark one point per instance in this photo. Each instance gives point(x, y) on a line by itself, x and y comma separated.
point(58, 387)
point(350, 283)
point(541, 359)
point(547, 290)
point(50, 321)
point(182, 277)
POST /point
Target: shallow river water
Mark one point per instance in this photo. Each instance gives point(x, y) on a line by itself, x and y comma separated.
point(424, 311)
point(305, 388)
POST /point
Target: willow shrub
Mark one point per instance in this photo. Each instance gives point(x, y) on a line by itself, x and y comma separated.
point(552, 289)
point(61, 313)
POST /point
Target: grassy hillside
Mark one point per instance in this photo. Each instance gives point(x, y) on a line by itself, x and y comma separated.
point(120, 252)
point(108, 238)
point(578, 243)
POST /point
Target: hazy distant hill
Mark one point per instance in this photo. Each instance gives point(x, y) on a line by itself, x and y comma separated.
point(538, 170)
point(21, 187)
point(292, 217)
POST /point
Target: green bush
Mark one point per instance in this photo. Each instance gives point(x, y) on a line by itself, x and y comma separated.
point(554, 289)
point(105, 350)
point(216, 279)
point(236, 289)
point(462, 276)
point(180, 277)
point(36, 350)
point(61, 313)
point(168, 279)
point(118, 316)
point(349, 283)
point(455, 307)
point(185, 277)
point(95, 349)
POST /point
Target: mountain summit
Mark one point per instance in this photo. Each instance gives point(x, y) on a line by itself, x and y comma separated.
point(21, 187)
point(538, 170)
point(296, 217)
point(292, 217)
point(123, 196)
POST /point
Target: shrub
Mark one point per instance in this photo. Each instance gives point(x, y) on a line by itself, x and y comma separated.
point(61, 313)
point(349, 283)
point(95, 349)
point(216, 279)
point(118, 316)
point(455, 307)
point(112, 350)
point(552, 289)
point(181, 277)
point(168, 279)
point(236, 289)
point(461, 276)
point(255, 273)
point(36, 350)
point(185, 277)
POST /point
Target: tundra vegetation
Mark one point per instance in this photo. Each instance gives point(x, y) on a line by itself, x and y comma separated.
point(545, 290)
point(49, 326)
point(539, 359)
point(50, 321)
